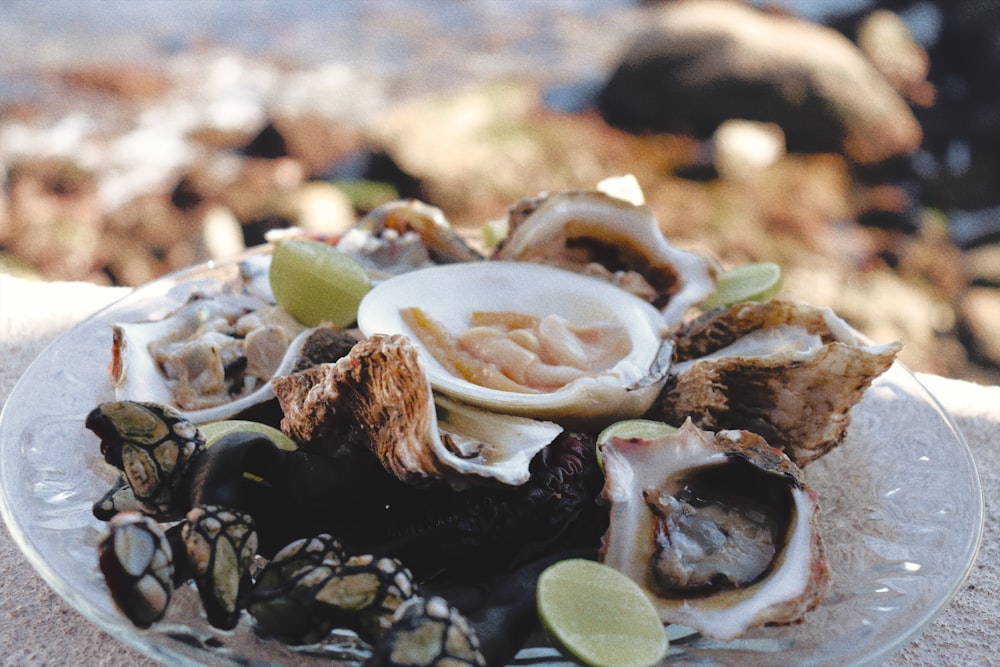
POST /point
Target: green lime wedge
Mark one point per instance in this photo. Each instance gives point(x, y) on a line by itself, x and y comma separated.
point(213, 431)
point(758, 281)
point(317, 283)
point(647, 429)
point(598, 616)
point(494, 231)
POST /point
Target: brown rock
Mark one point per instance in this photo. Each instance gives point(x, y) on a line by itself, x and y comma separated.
point(129, 82)
point(704, 61)
point(979, 311)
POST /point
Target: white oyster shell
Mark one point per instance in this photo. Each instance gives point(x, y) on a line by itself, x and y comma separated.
point(449, 294)
point(671, 471)
point(200, 336)
point(593, 232)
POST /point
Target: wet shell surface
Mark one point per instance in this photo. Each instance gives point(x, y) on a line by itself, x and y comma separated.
point(786, 371)
point(620, 241)
point(188, 359)
point(450, 295)
point(378, 397)
point(718, 528)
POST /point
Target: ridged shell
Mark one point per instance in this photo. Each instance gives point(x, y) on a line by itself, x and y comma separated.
point(640, 474)
point(786, 371)
point(379, 397)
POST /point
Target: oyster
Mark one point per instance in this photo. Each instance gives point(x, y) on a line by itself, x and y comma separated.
point(379, 398)
point(718, 528)
point(786, 371)
point(453, 296)
point(602, 235)
point(211, 358)
point(402, 236)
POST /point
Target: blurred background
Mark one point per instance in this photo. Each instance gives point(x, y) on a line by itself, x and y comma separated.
point(855, 142)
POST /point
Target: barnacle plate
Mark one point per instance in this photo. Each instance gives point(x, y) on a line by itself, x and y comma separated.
point(902, 514)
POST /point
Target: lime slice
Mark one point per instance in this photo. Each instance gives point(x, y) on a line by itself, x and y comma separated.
point(317, 283)
point(213, 431)
point(598, 616)
point(494, 231)
point(645, 429)
point(758, 281)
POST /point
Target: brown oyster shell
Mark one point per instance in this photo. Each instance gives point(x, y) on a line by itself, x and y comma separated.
point(798, 577)
point(379, 398)
point(598, 234)
point(798, 401)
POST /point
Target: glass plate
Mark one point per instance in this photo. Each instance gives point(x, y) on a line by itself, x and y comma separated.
point(902, 514)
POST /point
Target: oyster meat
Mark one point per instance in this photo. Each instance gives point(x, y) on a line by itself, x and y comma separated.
point(786, 371)
point(718, 528)
point(450, 298)
point(598, 234)
point(379, 398)
point(210, 358)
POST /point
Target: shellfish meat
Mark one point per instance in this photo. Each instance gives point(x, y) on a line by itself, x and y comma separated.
point(451, 297)
point(718, 528)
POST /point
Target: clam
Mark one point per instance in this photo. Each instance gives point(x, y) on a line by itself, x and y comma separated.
point(718, 528)
point(596, 233)
point(211, 358)
point(786, 371)
point(516, 338)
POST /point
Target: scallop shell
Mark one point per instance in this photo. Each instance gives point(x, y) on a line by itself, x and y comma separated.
point(717, 568)
point(589, 231)
point(451, 293)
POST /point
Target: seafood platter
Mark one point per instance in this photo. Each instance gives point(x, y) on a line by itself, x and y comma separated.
point(217, 475)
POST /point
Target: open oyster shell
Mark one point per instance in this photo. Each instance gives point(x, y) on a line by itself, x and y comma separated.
point(719, 529)
point(595, 233)
point(211, 358)
point(450, 294)
point(379, 398)
point(786, 371)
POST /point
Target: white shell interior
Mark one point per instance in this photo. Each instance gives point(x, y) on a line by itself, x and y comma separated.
point(450, 293)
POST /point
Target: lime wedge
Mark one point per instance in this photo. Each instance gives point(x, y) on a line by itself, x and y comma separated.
point(317, 283)
point(494, 231)
point(646, 429)
point(598, 616)
point(758, 281)
point(213, 431)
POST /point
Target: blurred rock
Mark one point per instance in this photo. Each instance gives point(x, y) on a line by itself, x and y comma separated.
point(705, 61)
point(742, 148)
point(980, 322)
point(886, 40)
point(127, 82)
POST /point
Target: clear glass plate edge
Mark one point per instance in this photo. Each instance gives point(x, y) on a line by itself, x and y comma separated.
point(165, 648)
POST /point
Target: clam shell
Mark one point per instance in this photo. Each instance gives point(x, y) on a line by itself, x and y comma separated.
point(451, 293)
point(136, 375)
